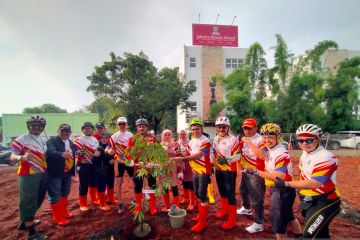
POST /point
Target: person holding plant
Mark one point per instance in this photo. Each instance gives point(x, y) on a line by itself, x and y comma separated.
point(198, 155)
point(141, 127)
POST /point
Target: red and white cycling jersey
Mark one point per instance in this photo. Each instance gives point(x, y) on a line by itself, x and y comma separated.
point(228, 146)
point(249, 159)
point(87, 143)
point(278, 159)
point(119, 142)
point(33, 144)
point(319, 165)
point(201, 165)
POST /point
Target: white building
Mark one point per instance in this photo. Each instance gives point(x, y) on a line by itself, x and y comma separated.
point(201, 64)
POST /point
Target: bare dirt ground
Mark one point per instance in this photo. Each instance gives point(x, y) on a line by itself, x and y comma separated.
point(98, 225)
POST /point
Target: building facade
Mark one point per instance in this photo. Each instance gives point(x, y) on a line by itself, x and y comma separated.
point(202, 65)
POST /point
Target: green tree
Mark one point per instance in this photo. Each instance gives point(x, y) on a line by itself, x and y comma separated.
point(257, 67)
point(108, 111)
point(283, 60)
point(142, 91)
point(342, 96)
point(45, 108)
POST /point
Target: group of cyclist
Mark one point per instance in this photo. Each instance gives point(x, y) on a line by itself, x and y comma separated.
point(260, 158)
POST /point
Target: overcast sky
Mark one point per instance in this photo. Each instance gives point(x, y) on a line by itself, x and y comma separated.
point(48, 48)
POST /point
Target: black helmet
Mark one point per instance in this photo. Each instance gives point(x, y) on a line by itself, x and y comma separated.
point(141, 121)
point(35, 120)
point(86, 124)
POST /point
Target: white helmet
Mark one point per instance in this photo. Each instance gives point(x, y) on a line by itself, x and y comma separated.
point(222, 121)
point(122, 119)
point(309, 129)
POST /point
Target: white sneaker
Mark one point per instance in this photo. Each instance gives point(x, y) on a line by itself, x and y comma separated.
point(243, 211)
point(255, 227)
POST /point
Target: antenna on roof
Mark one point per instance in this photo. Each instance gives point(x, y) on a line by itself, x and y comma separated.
point(217, 19)
point(199, 17)
point(233, 20)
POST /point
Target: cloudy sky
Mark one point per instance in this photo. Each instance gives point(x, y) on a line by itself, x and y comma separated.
point(48, 48)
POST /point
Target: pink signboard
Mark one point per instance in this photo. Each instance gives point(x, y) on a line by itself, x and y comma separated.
point(215, 35)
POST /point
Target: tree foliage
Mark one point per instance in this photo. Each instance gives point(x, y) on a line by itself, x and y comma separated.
point(139, 88)
point(300, 91)
point(45, 108)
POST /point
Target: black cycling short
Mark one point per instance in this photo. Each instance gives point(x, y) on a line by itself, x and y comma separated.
point(122, 168)
point(318, 216)
point(281, 213)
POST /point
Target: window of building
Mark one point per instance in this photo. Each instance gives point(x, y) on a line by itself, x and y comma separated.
point(192, 62)
point(193, 107)
point(233, 62)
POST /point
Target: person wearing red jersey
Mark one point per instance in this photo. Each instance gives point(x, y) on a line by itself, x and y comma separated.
point(142, 127)
point(320, 198)
point(86, 149)
point(252, 185)
point(226, 146)
point(277, 165)
point(100, 130)
point(186, 175)
point(60, 157)
point(29, 151)
point(171, 147)
point(198, 155)
point(117, 146)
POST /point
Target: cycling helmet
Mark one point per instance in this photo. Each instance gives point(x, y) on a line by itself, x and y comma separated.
point(36, 120)
point(86, 124)
point(141, 121)
point(270, 129)
point(222, 121)
point(309, 130)
point(196, 121)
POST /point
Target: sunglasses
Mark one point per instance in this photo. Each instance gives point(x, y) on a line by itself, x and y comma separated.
point(246, 128)
point(36, 125)
point(65, 130)
point(222, 127)
point(121, 124)
point(308, 141)
point(195, 129)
